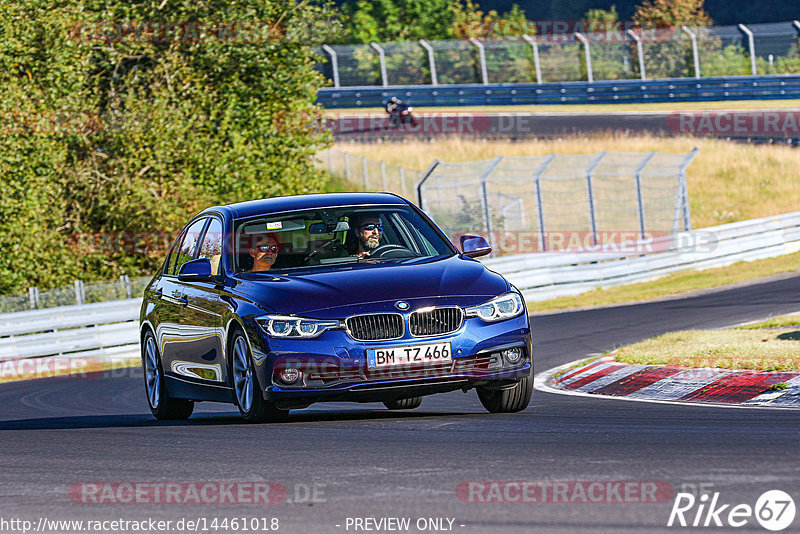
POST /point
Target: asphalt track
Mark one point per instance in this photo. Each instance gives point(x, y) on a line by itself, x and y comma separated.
point(369, 462)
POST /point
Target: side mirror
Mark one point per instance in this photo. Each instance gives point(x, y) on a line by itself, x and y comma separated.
point(198, 270)
point(474, 246)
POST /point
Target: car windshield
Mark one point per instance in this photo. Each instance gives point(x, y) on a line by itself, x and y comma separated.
point(335, 236)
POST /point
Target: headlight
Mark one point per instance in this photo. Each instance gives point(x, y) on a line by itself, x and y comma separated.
point(499, 308)
point(283, 326)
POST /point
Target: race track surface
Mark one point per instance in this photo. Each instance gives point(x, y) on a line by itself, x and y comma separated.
point(365, 461)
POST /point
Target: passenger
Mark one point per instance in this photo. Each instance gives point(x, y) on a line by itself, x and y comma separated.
point(368, 230)
point(264, 252)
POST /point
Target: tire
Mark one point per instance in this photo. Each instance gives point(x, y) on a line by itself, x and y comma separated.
point(404, 404)
point(162, 406)
point(510, 400)
point(249, 399)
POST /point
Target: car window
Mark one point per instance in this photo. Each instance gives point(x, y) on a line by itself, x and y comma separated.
point(188, 247)
point(169, 266)
point(330, 236)
point(211, 247)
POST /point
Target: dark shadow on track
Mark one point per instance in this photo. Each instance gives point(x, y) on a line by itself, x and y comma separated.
point(145, 420)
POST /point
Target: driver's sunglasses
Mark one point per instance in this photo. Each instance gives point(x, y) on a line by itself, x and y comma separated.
point(268, 248)
point(370, 227)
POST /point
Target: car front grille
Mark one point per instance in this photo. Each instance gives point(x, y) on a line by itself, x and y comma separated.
point(375, 327)
point(435, 322)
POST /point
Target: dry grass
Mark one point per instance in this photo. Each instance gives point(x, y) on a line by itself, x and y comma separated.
point(596, 108)
point(675, 284)
point(727, 181)
point(761, 349)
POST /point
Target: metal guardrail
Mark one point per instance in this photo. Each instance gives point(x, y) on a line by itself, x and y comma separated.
point(105, 328)
point(542, 276)
point(598, 92)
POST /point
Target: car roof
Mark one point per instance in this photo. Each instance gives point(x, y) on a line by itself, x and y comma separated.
point(301, 202)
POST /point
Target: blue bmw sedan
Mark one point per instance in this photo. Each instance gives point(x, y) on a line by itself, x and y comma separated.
point(275, 304)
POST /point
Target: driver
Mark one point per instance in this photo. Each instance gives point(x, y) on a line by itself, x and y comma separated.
point(368, 230)
point(264, 252)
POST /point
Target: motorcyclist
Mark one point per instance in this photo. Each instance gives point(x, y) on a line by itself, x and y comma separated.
point(398, 111)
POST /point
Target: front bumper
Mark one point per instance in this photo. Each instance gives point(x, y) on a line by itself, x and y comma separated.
point(334, 366)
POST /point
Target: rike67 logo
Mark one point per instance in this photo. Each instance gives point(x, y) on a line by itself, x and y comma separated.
point(774, 510)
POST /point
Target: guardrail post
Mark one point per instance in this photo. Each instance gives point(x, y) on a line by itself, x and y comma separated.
point(482, 58)
point(536, 63)
point(79, 297)
point(590, 194)
point(365, 171)
point(126, 285)
point(587, 51)
point(382, 59)
point(334, 64)
point(431, 60)
point(537, 176)
point(485, 196)
point(639, 53)
point(695, 56)
point(33, 297)
point(423, 177)
point(751, 45)
point(639, 202)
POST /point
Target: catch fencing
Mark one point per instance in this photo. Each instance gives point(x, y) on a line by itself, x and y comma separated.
point(78, 293)
point(610, 54)
point(549, 200)
point(369, 174)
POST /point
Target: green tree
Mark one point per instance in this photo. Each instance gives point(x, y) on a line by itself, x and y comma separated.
point(170, 119)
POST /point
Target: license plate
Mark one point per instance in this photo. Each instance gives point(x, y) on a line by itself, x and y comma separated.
point(409, 355)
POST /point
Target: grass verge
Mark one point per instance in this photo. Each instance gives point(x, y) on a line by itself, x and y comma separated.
point(675, 284)
point(763, 349)
point(593, 108)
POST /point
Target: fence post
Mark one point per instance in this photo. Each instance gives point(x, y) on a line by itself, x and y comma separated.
point(79, 298)
point(687, 220)
point(423, 177)
point(383, 176)
point(365, 171)
point(347, 165)
point(751, 46)
point(482, 58)
point(431, 60)
point(485, 195)
point(639, 202)
point(403, 181)
point(334, 64)
point(382, 59)
point(330, 160)
point(796, 24)
point(696, 58)
point(537, 176)
point(587, 51)
point(126, 285)
point(639, 53)
point(33, 297)
point(536, 64)
point(590, 193)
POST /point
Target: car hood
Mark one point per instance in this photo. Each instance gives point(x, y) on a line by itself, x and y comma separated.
point(362, 288)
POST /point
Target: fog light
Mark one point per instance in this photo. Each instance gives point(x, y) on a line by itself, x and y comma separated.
point(290, 375)
point(513, 356)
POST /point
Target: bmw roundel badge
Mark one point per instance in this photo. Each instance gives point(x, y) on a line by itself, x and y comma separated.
point(402, 305)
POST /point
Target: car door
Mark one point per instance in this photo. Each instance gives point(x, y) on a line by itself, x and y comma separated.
point(173, 330)
point(200, 355)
